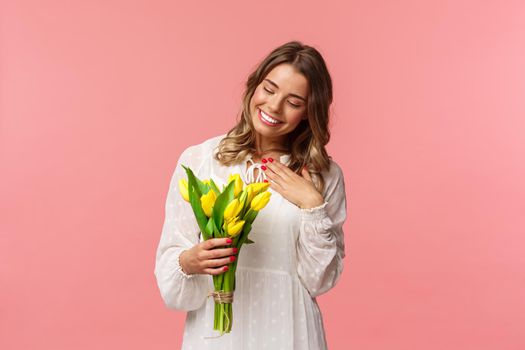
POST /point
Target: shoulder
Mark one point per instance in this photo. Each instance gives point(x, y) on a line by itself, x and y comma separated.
point(335, 172)
point(333, 177)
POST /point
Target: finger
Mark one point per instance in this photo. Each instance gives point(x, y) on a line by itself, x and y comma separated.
point(218, 253)
point(287, 173)
point(272, 176)
point(218, 262)
point(306, 174)
point(216, 242)
point(280, 169)
point(276, 187)
point(216, 271)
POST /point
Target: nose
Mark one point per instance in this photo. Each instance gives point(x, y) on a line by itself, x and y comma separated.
point(274, 104)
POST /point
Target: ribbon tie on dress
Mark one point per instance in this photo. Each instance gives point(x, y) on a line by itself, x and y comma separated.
point(249, 175)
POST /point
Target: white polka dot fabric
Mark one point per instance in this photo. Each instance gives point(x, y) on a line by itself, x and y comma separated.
point(297, 255)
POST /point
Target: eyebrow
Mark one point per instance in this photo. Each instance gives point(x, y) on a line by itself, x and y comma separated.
point(277, 86)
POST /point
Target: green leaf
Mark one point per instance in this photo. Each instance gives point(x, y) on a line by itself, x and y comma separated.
point(216, 232)
point(243, 197)
point(210, 227)
point(214, 187)
point(248, 241)
point(221, 202)
point(246, 229)
point(198, 212)
point(193, 181)
point(250, 216)
point(195, 201)
point(203, 188)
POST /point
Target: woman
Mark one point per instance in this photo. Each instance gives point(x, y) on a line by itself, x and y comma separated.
point(299, 243)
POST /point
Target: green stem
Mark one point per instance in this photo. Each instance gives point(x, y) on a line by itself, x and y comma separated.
point(215, 315)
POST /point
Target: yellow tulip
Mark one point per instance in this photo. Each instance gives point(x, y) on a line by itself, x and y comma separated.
point(206, 182)
point(208, 201)
point(234, 227)
point(238, 183)
point(260, 200)
point(258, 187)
point(244, 195)
point(232, 209)
point(249, 194)
point(183, 188)
point(254, 189)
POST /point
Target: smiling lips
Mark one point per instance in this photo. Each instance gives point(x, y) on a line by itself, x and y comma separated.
point(266, 119)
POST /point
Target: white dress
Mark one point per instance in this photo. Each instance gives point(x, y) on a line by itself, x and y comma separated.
point(297, 255)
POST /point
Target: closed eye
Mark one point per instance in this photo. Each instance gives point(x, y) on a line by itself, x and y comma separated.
point(292, 104)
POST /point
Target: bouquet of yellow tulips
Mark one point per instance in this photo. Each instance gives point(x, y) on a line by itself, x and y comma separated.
point(220, 214)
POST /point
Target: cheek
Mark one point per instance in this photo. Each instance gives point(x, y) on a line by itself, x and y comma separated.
point(296, 116)
point(257, 97)
point(253, 103)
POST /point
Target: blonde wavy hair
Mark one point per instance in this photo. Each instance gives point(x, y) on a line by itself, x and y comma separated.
point(306, 143)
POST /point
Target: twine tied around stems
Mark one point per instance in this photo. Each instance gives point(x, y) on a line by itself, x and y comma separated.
point(221, 297)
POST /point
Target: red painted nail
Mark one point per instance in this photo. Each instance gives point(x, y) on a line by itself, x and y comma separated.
point(264, 160)
point(263, 167)
point(235, 250)
point(265, 181)
point(270, 159)
point(229, 241)
point(225, 268)
point(232, 258)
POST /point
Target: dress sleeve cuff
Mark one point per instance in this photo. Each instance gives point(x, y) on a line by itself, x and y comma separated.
point(179, 268)
point(314, 213)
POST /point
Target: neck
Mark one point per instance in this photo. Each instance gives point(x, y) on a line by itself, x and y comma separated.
point(265, 148)
point(265, 145)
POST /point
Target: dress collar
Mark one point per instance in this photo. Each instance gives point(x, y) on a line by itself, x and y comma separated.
point(285, 158)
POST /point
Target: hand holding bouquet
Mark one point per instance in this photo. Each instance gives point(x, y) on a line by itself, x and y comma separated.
point(226, 213)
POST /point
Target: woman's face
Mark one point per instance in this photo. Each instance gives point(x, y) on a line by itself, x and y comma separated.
point(279, 102)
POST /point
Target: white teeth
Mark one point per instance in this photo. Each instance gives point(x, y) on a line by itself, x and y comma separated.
point(269, 119)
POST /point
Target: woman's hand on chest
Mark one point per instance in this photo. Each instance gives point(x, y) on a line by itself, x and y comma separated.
point(297, 189)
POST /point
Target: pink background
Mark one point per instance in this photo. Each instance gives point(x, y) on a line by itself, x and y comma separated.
point(99, 98)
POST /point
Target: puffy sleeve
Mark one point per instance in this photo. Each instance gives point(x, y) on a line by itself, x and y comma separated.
point(180, 232)
point(320, 245)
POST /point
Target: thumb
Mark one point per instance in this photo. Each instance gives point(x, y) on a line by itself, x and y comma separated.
point(306, 174)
